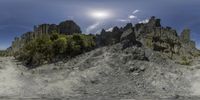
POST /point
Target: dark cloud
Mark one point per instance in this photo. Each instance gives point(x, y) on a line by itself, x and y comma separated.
point(19, 16)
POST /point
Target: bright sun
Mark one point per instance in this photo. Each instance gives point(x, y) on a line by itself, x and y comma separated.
point(100, 14)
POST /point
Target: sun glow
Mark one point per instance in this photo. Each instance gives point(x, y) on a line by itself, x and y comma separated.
point(100, 14)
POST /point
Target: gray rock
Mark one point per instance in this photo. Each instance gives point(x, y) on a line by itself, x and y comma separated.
point(128, 35)
point(185, 35)
point(109, 38)
point(68, 28)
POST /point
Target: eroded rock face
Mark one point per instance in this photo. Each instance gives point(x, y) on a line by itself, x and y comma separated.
point(128, 35)
point(69, 27)
point(185, 35)
point(165, 39)
point(152, 35)
point(158, 38)
point(109, 37)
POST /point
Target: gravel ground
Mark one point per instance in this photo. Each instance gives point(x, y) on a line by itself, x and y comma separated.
point(107, 73)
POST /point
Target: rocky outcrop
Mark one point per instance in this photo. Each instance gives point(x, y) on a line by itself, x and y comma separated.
point(109, 37)
point(128, 38)
point(154, 36)
point(128, 35)
point(185, 35)
point(66, 27)
point(187, 46)
point(164, 39)
point(116, 35)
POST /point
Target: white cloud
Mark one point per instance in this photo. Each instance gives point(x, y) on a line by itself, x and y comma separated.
point(70, 17)
point(144, 21)
point(110, 29)
point(123, 20)
point(132, 17)
point(92, 27)
point(98, 31)
point(136, 11)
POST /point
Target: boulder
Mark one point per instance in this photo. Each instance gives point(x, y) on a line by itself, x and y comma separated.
point(128, 39)
point(128, 35)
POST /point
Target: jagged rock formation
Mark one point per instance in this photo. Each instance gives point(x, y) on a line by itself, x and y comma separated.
point(154, 36)
point(165, 39)
point(67, 27)
point(188, 46)
point(185, 35)
point(109, 38)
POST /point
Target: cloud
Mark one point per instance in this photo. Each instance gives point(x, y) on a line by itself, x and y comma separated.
point(92, 27)
point(110, 29)
point(136, 11)
point(123, 20)
point(132, 17)
point(70, 17)
point(144, 21)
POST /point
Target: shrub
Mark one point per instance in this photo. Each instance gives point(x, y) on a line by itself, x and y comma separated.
point(36, 52)
point(3, 53)
point(60, 45)
point(47, 49)
point(185, 61)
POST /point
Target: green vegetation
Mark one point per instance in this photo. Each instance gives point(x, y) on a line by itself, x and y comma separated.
point(185, 61)
point(47, 49)
point(3, 53)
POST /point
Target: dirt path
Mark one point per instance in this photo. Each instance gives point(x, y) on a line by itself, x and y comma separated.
point(195, 81)
point(10, 85)
point(17, 84)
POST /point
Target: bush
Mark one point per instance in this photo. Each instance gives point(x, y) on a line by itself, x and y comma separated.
point(185, 61)
point(56, 47)
point(4, 53)
point(60, 45)
point(36, 52)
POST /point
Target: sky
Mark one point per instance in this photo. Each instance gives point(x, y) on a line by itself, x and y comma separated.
point(19, 16)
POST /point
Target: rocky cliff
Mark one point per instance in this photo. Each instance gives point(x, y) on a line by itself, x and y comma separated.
point(154, 36)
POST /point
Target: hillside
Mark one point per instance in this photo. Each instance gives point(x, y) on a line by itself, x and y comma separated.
point(107, 73)
point(139, 62)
